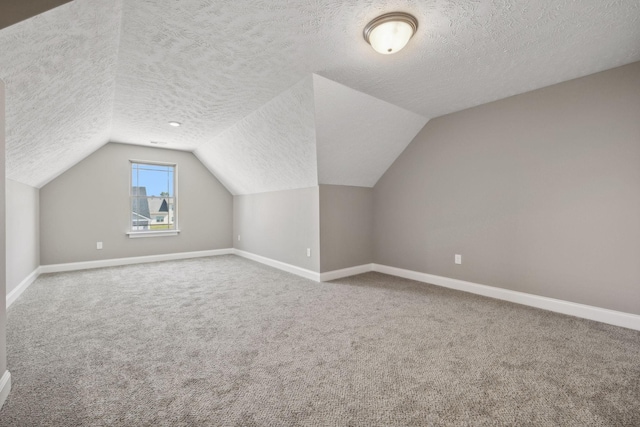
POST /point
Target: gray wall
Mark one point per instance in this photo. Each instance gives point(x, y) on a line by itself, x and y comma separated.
point(539, 192)
point(90, 203)
point(280, 225)
point(346, 226)
point(23, 234)
point(3, 271)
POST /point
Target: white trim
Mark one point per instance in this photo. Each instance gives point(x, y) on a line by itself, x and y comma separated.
point(140, 215)
point(176, 230)
point(22, 286)
point(156, 233)
point(153, 162)
point(303, 272)
point(345, 272)
point(5, 387)
point(55, 268)
point(612, 317)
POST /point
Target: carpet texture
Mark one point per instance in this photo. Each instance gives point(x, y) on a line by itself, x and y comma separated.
point(224, 341)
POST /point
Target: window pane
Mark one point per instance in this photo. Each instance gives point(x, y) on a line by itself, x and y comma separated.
point(152, 197)
point(156, 183)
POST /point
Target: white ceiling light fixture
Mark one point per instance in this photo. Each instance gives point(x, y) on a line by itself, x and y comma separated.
point(175, 124)
point(390, 32)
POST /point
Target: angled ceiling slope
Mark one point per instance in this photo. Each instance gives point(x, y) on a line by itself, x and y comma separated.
point(317, 132)
point(210, 63)
point(59, 69)
point(271, 149)
point(358, 136)
point(97, 70)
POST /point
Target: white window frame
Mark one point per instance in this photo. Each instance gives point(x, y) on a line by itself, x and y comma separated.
point(134, 234)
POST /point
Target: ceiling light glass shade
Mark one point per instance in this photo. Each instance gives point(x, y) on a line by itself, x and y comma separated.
point(175, 124)
point(390, 32)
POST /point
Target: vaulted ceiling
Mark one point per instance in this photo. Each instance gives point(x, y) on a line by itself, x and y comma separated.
point(277, 94)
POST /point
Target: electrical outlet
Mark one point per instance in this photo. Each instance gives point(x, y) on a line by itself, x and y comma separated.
point(458, 259)
point(238, 237)
point(308, 251)
point(99, 245)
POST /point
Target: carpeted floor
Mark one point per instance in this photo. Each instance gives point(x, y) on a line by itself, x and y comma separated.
point(224, 341)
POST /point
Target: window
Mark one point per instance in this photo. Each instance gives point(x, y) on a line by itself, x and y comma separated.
point(153, 199)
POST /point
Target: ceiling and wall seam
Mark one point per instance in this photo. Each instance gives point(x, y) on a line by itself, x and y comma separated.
point(115, 77)
point(271, 149)
point(358, 136)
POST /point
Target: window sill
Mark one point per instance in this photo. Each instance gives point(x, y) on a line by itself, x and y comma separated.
point(139, 234)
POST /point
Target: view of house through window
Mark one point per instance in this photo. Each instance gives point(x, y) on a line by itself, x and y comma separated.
point(153, 198)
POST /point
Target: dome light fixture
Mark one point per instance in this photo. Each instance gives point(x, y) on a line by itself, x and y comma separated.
point(390, 32)
point(175, 124)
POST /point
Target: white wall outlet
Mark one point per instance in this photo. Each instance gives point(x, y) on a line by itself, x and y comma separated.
point(99, 245)
point(308, 251)
point(238, 237)
point(458, 259)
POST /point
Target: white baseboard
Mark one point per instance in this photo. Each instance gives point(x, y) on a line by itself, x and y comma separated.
point(55, 268)
point(345, 272)
point(299, 271)
point(612, 317)
point(18, 290)
point(5, 387)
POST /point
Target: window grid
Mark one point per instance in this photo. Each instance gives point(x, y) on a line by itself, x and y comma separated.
point(153, 197)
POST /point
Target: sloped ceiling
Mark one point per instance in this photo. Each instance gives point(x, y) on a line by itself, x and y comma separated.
point(358, 136)
point(274, 148)
point(59, 69)
point(98, 70)
point(317, 132)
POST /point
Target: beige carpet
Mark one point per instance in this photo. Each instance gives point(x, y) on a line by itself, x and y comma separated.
point(223, 341)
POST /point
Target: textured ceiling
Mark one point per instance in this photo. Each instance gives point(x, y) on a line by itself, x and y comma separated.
point(92, 71)
point(209, 63)
point(59, 69)
point(316, 132)
point(274, 148)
